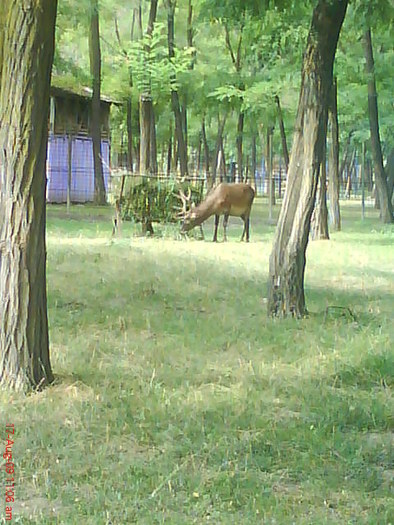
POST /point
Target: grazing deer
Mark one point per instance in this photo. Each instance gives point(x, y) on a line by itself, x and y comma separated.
point(226, 199)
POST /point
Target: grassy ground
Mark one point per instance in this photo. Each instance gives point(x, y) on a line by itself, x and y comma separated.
point(178, 401)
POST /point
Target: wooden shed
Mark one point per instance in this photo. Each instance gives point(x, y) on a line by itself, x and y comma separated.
point(70, 171)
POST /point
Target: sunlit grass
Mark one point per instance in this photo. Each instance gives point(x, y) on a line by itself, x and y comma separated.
point(178, 401)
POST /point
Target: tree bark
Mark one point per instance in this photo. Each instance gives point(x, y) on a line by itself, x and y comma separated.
point(386, 210)
point(182, 150)
point(221, 124)
point(390, 173)
point(169, 154)
point(240, 132)
point(129, 136)
point(145, 133)
point(27, 55)
point(333, 160)
point(254, 161)
point(348, 190)
point(206, 150)
point(199, 148)
point(282, 134)
point(286, 294)
point(224, 169)
point(95, 127)
point(146, 107)
point(153, 143)
point(269, 171)
point(320, 212)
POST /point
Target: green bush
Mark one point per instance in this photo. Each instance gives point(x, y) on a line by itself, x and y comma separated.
point(155, 200)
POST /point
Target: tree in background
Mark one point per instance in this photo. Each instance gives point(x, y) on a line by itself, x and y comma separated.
point(148, 156)
point(386, 210)
point(27, 47)
point(179, 131)
point(287, 260)
point(95, 126)
point(333, 159)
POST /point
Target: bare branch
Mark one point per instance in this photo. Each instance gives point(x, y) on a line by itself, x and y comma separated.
point(229, 46)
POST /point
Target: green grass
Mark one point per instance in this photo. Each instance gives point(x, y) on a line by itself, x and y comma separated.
point(178, 401)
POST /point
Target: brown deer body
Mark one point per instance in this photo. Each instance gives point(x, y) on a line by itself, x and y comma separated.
point(226, 199)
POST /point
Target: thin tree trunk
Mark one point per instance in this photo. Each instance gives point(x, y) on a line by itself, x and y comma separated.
point(333, 160)
point(254, 161)
point(319, 220)
point(386, 210)
point(198, 168)
point(286, 294)
point(95, 130)
point(349, 175)
point(363, 181)
point(390, 173)
point(145, 133)
point(345, 156)
point(221, 124)
point(184, 121)
point(27, 43)
point(270, 174)
point(169, 153)
point(224, 169)
point(153, 144)
point(138, 145)
point(247, 169)
point(129, 137)
point(240, 131)
point(282, 134)
point(129, 109)
point(206, 150)
point(146, 107)
point(182, 150)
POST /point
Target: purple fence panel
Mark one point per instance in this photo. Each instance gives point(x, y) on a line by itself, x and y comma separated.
point(57, 169)
point(82, 173)
point(82, 187)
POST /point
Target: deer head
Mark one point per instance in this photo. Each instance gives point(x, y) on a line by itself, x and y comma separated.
point(187, 211)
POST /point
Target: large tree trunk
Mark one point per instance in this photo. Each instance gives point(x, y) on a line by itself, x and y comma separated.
point(386, 210)
point(287, 260)
point(27, 55)
point(95, 126)
point(333, 160)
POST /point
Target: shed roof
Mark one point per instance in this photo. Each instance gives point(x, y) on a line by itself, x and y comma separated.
point(60, 87)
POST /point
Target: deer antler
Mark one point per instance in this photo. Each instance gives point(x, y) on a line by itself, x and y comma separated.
point(185, 200)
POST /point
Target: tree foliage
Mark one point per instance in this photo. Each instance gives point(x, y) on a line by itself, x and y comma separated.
point(273, 38)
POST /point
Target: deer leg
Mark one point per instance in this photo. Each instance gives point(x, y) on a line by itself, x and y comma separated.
point(225, 222)
point(215, 235)
point(244, 230)
point(247, 229)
